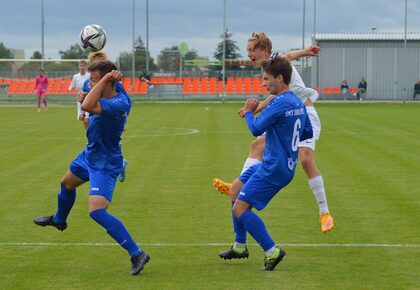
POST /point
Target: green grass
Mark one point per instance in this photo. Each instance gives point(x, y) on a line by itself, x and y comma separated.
point(368, 156)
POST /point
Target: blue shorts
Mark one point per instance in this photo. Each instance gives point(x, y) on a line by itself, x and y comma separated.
point(256, 191)
point(101, 183)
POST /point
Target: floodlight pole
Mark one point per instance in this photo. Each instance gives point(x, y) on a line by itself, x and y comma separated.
point(224, 49)
point(133, 60)
point(147, 35)
point(405, 25)
point(303, 32)
point(42, 33)
point(317, 59)
point(405, 40)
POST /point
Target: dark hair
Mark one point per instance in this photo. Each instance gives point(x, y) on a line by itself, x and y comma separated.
point(278, 66)
point(104, 67)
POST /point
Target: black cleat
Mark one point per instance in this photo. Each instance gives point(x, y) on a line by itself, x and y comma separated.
point(271, 263)
point(138, 262)
point(48, 221)
point(234, 253)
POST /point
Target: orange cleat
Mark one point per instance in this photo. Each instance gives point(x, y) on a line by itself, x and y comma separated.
point(221, 186)
point(327, 222)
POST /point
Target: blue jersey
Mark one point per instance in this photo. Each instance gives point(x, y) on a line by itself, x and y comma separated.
point(103, 151)
point(285, 122)
point(86, 87)
point(118, 88)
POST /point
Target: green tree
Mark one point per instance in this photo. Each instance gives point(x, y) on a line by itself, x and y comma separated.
point(231, 48)
point(168, 59)
point(74, 52)
point(5, 53)
point(36, 55)
point(125, 59)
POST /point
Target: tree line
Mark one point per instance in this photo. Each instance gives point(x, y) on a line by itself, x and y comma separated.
point(167, 60)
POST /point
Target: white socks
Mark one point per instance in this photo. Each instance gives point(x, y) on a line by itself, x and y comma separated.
point(317, 186)
point(249, 162)
point(270, 251)
point(238, 245)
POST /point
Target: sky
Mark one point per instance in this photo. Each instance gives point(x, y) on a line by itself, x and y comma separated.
point(199, 23)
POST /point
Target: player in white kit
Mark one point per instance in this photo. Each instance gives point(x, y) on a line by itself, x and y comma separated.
point(259, 48)
point(78, 82)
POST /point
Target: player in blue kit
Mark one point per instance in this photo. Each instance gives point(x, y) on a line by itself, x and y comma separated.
point(100, 162)
point(285, 123)
point(94, 57)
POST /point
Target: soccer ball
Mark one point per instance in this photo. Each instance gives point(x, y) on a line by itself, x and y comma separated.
point(92, 37)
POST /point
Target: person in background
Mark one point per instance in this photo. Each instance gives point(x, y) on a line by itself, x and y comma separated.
point(361, 89)
point(416, 89)
point(78, 82)
point(41, 85)
point(344, 89)
point(146, 77)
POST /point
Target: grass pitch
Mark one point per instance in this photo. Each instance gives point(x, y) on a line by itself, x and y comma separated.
point(368, 156)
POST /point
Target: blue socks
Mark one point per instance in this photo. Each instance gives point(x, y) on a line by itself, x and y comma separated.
point(116, 230)
point(240, 232)
point(255, 226)
point(66, 198)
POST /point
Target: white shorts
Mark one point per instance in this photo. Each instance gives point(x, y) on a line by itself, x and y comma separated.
point(316, 128)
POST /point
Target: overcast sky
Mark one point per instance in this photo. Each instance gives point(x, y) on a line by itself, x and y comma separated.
point(199, 23)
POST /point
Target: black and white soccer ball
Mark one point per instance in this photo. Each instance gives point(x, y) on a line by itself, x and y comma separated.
point(93, 37)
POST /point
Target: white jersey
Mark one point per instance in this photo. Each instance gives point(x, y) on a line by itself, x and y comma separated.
point(298, 87)
point(78, 81)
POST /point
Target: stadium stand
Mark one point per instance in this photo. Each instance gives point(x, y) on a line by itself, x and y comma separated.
point(190, 86)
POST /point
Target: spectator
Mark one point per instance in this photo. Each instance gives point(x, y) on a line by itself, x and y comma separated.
point(344, 89)
point(416, 89)
point(145, 77)
point(361, 89)
point(41, 85)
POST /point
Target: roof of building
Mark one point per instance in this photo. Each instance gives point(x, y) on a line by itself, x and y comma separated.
point(368, 36)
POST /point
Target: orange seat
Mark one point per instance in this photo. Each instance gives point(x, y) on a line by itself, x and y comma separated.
point(204, 85)
point(195, 86)
point(247, 85)
point(239, 87)
point(220, 85)
point(336, 90)
point(212, 85)
point(256, 85)
point(327, 90)
point(143, 88)
point(230, 85)
point(353, 90)
point(187, 86)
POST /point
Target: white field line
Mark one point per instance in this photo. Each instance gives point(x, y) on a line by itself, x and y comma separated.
point(46, 244)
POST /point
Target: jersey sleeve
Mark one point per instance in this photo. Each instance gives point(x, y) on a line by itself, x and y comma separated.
point(266, 118)
point(72, 84)
point(86, 87)
point(307, 132)
point(114, 107)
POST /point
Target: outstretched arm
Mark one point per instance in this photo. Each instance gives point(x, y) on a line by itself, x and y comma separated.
point(312, 50)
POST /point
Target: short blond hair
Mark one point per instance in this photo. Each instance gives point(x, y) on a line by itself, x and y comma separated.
point(261, 41)
point(97, 56)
